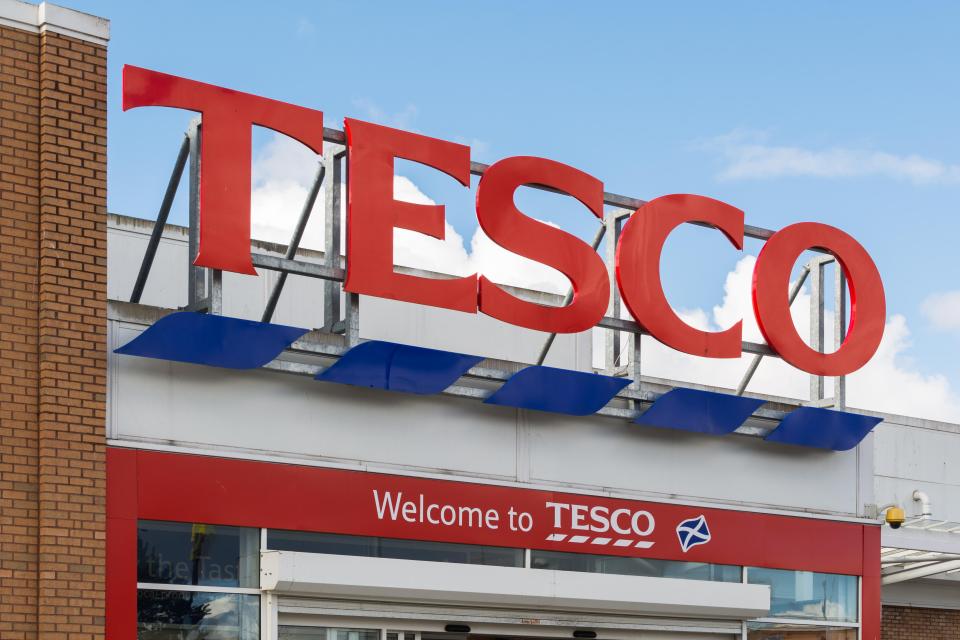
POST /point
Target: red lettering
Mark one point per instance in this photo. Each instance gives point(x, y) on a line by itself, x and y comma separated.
point(638, 271)
point(372, 215)
point(225, 150)
point(771, 282)
point(569, 255)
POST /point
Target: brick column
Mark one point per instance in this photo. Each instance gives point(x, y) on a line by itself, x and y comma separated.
point(917, 623)
point(52, 321)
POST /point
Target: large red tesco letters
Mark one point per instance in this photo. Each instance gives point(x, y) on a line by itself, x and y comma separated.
point(373, 214)
point(225, 148)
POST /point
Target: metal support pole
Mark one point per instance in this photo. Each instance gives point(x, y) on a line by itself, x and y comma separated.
point(816, 325)
point(614, 222)
point(817, 318)
point(839, 333)
point(752, 369)
point(195, 278)
point(351, 319)
point(634, 341)
point(294, 243)
point(597, 238)
point(331, 252)
point(161, 221)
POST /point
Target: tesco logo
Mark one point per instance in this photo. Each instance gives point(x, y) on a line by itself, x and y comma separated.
point(373, 214)
point(598, 519)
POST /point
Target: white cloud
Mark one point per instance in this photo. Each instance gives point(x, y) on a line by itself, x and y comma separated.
point(282, 174)
point(749, 156)
point(891, 382)
point(943, 310)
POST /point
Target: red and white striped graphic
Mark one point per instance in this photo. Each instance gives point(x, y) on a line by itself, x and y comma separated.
point(599, 540)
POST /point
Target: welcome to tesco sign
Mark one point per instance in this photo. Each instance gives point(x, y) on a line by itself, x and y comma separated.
point(373, 214)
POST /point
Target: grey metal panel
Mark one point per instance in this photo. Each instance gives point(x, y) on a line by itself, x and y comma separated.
point(944, 498)
point(675, 464)
point(125, 249)
point(467, 333)
point(170, 403)
point(939, 593)
point(912, 453)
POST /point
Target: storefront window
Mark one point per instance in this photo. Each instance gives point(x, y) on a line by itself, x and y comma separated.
point(563, 561)
point(780, 631)
point(197, 554)
point(392, 548)
point(808, 595)
point(190, 615)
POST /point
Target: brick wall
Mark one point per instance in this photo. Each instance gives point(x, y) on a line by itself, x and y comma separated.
point(52, 335)
point(914, 623)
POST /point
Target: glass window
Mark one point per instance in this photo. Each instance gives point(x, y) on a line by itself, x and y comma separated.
point(188, 615)
point(780, 631)
point(392, 548)
point(563, 561)
point(325, 633)
point(808, 595)
point(197, 554)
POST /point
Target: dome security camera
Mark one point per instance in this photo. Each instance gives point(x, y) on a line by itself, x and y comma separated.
point(895, 517)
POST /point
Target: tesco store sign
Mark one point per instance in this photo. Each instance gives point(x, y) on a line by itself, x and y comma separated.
point(373, 214)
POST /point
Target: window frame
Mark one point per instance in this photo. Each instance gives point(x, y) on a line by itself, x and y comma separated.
point(195, 588)
point(526, 564)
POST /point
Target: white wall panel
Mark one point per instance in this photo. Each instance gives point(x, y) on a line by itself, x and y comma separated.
point(913, 457)
point(274, 413)
point(732, 468)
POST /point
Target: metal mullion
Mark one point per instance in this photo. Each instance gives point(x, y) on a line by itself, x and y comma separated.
point(150, 586)
point(810, 623)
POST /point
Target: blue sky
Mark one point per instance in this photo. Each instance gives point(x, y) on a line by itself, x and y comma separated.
point(840, 113)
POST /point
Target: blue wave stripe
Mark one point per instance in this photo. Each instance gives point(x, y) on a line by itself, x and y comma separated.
point(574, 393)
point(823, 428)
point(398, 367)
point(699, 411)
point(217, 341)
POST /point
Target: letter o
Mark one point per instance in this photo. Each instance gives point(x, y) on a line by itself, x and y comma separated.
point(636, 527)
point(443, 515)
point(771, 303)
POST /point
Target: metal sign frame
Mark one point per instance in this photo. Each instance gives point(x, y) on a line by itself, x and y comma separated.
point(340, 329)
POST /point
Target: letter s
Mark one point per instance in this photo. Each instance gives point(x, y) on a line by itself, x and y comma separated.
point(516, 232)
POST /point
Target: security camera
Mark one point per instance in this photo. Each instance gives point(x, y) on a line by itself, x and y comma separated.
point(895, 517)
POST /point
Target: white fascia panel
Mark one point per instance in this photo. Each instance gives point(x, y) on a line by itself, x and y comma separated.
point(460, 584)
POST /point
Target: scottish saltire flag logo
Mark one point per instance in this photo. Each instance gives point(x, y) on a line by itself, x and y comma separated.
point(693, 532)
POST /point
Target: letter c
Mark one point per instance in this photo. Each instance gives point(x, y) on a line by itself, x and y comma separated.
point(615, 521)
point(638, 271)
